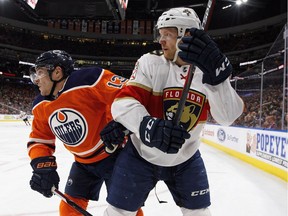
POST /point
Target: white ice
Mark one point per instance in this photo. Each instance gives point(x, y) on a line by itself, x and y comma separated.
point(237, 188)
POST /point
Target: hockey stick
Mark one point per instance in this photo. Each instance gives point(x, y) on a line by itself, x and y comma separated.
point(187, 84)
point(70, 202)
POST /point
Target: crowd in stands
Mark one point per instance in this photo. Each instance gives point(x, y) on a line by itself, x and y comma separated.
point(269, 114)
point(16, 97)
point(242, 41)
point(88, 47)
point(100, 48)
point(19, 97)
point(265, 100)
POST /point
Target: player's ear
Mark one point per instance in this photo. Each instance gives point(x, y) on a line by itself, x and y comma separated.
point(58, 73)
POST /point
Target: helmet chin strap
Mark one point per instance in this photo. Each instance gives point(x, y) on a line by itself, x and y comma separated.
point(51, 96)
point(177, 50)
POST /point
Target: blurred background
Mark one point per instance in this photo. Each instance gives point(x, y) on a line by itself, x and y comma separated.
point(113, 34)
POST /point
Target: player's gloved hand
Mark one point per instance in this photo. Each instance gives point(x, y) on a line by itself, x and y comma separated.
point(113, 134)
point(162, 134)
point(201, 50)
point(44, 175)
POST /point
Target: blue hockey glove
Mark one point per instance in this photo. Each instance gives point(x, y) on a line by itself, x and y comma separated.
point(44, 175)
point(162, 134)
point(113, 134)
point(201, 50)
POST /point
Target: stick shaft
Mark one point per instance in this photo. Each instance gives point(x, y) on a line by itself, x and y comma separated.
point(182, 101)
point(208, 14)
point(70, 202)
point(188, 81)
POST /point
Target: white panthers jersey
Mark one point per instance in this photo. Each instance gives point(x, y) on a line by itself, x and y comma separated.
point(155, 88)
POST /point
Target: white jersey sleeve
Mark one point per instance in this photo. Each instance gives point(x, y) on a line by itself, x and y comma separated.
point(155, 88)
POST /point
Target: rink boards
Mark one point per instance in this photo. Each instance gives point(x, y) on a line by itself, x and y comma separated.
point(265, 149)
point(8, 118)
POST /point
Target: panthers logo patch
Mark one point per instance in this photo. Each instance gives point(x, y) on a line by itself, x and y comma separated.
point(69, 126)
point(193, 106)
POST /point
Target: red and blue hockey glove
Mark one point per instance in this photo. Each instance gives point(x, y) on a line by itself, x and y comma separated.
point(113, 134)
point(162, 134)
point(44, 175)
point(201, 50)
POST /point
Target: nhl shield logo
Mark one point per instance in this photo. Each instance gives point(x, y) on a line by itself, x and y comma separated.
point(193, 107)
point(69, 126)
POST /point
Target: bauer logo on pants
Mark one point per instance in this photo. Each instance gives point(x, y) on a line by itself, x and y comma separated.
point(69, 126)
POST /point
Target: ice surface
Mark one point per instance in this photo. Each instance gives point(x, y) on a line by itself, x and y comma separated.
point(237, 188)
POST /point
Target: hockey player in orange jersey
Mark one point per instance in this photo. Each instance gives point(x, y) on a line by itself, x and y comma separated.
point(73, 106)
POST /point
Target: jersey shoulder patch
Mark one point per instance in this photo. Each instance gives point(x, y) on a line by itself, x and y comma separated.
point(157, 52)
point(39, 98)
point(83, 77)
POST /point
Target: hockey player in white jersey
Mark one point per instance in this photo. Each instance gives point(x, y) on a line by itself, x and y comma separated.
point(24, 117)
point(157, 149)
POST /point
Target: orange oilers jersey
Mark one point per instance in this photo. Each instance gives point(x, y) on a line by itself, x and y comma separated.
point(76, 117)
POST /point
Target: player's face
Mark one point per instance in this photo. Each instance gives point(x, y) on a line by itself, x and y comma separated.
point(168, 39)
point(43, 81)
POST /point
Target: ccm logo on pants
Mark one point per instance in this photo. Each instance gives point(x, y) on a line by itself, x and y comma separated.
point(201, 192)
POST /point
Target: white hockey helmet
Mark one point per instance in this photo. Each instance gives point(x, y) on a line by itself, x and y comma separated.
point(182, 18)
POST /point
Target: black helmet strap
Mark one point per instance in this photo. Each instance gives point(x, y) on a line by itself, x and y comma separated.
point(51, 96)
